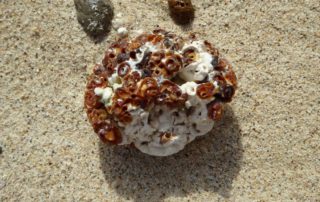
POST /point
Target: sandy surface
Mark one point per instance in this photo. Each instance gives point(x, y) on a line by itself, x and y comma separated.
point(267, 148)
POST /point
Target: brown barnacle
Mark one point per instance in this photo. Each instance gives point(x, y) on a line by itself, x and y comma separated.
point(125, 117)
point(148, 88)
point(109, 62)
point(227, 93)
point(134, 45)
point(126, 96)
point(205, 90)
point(99, 69)
point(122, 93)
point(215, 110)
point(97, 115)
point(150, 37)
point(109, 57)
point(123, 44)
point(211, 49)
point(189, 55)
point(131, 80)
point(121, 57)
point(144, 61)
point(171, 95)
point(110, 134)
point(120, 46)
point(157, 39)
point(159, 71)
point(220, 80)
point(231, 77)
point(123, 69)
point(120, 111)
point(95, 81)
point(156, 57)
point(91, 100)
point(178, 43)
point(136, 100)
point(166, 137)
point(173, 64)
point(222, 65)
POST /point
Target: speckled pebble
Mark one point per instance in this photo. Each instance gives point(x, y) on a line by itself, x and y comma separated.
point(95, 16)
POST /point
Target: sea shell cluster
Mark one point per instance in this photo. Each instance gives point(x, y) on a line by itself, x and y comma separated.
point(158, 91)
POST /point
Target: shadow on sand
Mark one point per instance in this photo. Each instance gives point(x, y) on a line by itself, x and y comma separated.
point(209, 164)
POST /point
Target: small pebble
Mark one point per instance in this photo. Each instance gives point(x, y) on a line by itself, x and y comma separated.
point(181, 11)
point(95, 16)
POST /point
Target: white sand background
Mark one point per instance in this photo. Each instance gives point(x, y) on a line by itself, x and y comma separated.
point(267, 148)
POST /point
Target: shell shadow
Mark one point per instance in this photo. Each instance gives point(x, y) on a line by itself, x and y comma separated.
point(209, 164)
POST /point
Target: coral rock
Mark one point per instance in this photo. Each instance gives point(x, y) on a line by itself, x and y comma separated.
point(158, 92)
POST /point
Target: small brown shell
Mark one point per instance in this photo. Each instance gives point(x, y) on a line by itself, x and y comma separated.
point(92, 100)
point(227, 93)
point(119, 110)
point(123, 69)
point(131, 81)
point(205, 90)
point(148, 88)
point(171, 95)
point(166, 137)
point(173, 64)
point(215, 110)
point(111, 134)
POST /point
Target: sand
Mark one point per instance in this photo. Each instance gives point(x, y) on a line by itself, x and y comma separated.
point(267, 147)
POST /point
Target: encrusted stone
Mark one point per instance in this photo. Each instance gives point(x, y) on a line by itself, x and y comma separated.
point(158, 91)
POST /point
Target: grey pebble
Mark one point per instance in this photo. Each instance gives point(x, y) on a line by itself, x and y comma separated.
point(95, 16)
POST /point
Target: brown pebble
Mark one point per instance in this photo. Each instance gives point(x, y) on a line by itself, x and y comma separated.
point(182, 11)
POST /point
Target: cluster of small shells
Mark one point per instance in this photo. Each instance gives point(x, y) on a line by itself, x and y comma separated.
point(143, 73)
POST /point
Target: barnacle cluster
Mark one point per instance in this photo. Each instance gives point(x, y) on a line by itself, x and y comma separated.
point(158, 91)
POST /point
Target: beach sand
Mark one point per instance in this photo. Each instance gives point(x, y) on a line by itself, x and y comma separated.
point(266, 148)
